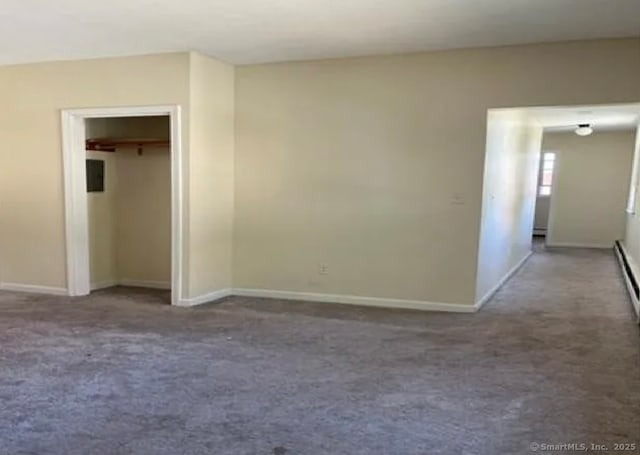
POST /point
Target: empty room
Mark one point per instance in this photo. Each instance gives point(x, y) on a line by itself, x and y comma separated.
point(278, 227)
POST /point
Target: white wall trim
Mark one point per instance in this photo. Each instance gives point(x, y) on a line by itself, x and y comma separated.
point(31, 288)
point(145, 283)
point(355, 300)
point(76, 222)
point(205, 298)
point(103, 285)
point(578, 245)
point(266, 293)
point(75, 198)
point(480, 303)
point(632, 295)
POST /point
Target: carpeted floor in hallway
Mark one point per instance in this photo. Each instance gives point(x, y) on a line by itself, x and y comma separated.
point(554, 358)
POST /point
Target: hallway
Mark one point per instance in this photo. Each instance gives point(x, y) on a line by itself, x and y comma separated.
point(566, 327)
point(554, 358)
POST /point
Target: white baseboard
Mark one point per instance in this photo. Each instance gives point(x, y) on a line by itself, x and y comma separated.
point(17, 287)
point(287, 295)
point(552, 244)
point(103, 285)
point(480, 303)
point(355, 300)
point(145, 284)
point(205, 298)
point(265, 293)
point(632, 295)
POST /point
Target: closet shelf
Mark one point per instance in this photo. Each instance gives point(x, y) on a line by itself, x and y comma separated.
point(111, 144)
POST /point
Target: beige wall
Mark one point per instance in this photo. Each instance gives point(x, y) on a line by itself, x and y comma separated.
point(508, 202)
point(144, 216)
point(101, 213)
point(211, 171)
point(590, 187)
point(130, 222)
point(373, 166)
point(370, 167)
point(150, 127)
point(541, 219)
point(32, 237)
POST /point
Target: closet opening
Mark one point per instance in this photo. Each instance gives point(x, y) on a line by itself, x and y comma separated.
point(123, 201)
point(128, 168)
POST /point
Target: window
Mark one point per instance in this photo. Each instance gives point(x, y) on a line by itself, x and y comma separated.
point(546, 173)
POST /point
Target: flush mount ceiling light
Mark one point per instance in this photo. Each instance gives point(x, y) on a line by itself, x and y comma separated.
point(584, 129)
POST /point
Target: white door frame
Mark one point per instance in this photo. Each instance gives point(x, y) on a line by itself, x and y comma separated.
point(75, 193)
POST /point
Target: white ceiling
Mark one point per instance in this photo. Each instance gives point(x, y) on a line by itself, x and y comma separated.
point(251, 31)
point(601, 118)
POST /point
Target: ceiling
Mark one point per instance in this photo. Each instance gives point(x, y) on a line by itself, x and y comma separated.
point(252, 31)
point(601, 118)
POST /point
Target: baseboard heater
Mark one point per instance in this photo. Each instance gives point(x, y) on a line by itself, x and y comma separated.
point(630, 279)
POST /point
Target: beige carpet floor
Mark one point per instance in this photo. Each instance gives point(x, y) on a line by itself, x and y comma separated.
point(553, 359)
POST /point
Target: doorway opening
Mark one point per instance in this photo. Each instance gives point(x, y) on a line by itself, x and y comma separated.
point(566, 172)
point(585, 170)
point(123, 182)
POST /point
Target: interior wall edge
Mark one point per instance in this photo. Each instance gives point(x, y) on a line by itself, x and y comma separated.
point(209, 297)
point(103, 285)
point(489, 295)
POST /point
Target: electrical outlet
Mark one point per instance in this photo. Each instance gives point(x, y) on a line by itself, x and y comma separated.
point(323, 269)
